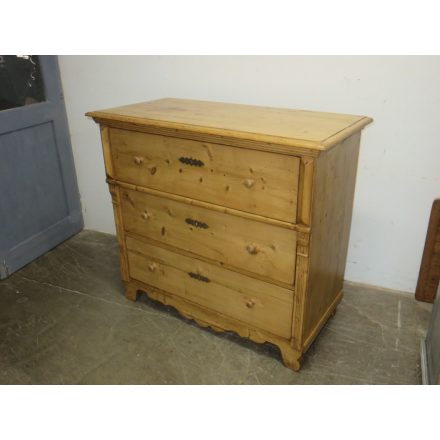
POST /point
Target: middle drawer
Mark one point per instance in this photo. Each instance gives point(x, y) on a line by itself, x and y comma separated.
point(260, 248)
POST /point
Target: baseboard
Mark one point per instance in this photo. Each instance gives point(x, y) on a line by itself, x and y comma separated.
point(374, 287)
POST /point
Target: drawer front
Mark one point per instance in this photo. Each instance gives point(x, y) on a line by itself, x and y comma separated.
point(246, 299)
point(254, 246)
point(248, 180)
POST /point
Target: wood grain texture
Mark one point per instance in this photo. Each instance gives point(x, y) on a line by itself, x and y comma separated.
point(332, 204)
point(116, 200)
point(300, 298)
point(429, 275)
point(214, 207)
point(237, 216)
point(254, 246)
point(331, 310)
point(191, 254)
point(305, 191)
point(254, 302)
point(257, 182)
point(295, 128)
point(108, 161)
point(216, 321)
point(248, 144)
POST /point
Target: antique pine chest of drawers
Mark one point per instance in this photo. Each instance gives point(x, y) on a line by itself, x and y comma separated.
point(237, 216)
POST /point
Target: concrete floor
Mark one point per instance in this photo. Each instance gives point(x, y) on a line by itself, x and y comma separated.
point(64, 320)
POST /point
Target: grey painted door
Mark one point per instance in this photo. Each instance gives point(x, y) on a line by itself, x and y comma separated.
point(39, 199)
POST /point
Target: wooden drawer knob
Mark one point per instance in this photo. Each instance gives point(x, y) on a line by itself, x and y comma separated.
point(249, 183)
point(145, 215)
point(252, 249)
point(250, 303)
point(138, 160)
point(152, 267)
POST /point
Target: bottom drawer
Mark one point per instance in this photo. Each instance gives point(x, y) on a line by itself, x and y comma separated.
point(254, 302)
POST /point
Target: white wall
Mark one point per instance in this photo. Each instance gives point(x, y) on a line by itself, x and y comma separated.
point(399, 165)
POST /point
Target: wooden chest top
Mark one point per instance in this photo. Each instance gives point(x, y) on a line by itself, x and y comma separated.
point(316, 131)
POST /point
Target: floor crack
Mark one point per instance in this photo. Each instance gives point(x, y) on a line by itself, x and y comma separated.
point(78, 292)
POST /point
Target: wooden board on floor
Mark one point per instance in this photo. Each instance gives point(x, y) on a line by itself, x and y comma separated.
point(429, 275)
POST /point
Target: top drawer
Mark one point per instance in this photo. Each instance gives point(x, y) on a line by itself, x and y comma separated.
point(248, 180)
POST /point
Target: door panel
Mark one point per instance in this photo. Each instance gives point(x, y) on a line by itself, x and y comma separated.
point(39, 200)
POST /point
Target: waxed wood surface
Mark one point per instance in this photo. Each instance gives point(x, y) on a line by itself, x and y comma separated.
point(252, 181)
point(238, 216)
point(333, 193)
point(255, 302)
point(303, 128)
point(264, 249)
point(211, 206)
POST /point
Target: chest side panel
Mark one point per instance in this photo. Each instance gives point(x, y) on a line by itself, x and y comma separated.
point(333, 193)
